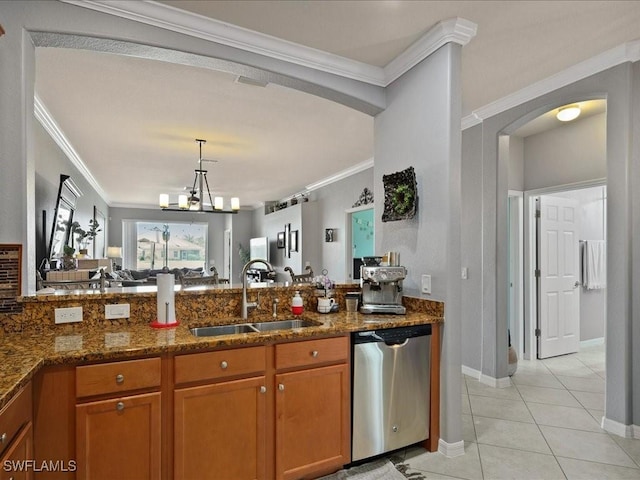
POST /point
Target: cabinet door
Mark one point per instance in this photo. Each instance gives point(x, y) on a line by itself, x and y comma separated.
point(312, 421)
point(13, 462)
point(220, 430)
point(119, 438)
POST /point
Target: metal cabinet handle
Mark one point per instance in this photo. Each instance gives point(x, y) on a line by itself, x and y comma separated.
point(223, 365)
point(119, 379)
point(263, 389)
point(3, 437)
point(314, 354)
point(120, 406)
point(281, 387)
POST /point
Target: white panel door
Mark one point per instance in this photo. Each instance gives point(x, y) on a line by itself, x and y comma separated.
point(558, 262)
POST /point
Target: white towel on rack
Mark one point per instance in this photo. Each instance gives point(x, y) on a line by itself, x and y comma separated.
point(594, 265)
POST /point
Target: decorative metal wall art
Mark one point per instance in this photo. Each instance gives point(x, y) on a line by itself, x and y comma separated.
point(400, 195)
point(366, 197)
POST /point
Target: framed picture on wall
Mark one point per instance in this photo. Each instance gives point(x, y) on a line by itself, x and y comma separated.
point(294, 241)
point(280, 242)
point(330, 234)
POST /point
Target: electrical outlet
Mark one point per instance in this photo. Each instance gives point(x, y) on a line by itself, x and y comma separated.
point(118, 310)
point(68, 315)
point(426, 284)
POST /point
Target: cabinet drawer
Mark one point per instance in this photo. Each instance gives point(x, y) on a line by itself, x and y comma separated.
point(219, 364)
point(117, 377)
point(311, 352)
point(13, 416)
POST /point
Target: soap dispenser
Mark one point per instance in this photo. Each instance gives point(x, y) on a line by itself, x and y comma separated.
point(297, 306)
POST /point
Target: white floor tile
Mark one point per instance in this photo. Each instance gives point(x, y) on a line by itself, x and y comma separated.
point(501, 408)
point(590, 446)
point(552, 396)
point(506, 433)
point(596, 414)
point(560, 416)
point(590, 399)
point(593, 383)
point(536, 379)
point(629, 445)
point(583, 470)
point(505, 463)
point(465, 466)
point(468, 429)
point(466, 406)
point(476, 388)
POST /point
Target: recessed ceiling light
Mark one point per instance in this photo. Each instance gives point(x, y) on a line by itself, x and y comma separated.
point(566, 114)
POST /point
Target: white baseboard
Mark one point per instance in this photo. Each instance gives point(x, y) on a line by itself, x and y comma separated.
point(495, 382)
point(451, 450)
point(636, 431)
point(471, 372)
point(592, 342)
point(486, 379)
point(620, 429)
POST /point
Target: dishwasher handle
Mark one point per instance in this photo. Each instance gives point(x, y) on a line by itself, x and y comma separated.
point(392, 336)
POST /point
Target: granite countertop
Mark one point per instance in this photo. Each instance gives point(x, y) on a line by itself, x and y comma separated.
point(23, 354)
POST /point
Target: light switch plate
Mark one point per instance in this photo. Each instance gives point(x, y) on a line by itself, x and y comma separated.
point(426, 283)
point(68, 315)
point(118, 310)
point(465, 273)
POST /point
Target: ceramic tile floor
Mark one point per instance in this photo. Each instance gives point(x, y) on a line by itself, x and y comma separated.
point(545, 426)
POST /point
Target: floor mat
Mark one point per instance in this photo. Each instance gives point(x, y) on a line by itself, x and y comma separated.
point(378, 470)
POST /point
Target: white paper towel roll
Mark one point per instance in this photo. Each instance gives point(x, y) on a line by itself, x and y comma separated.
point(166, 298)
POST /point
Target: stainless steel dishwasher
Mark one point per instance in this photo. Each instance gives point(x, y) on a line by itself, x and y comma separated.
point(390, 389)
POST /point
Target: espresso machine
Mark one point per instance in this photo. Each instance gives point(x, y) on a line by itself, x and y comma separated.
point(382, 289)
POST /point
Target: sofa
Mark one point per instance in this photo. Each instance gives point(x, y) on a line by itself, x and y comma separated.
point(136, 278)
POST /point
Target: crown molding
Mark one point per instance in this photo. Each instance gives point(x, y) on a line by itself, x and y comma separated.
point(194, 25)
point(360, 167)
point(52, 128)
point(627, 52)
point(457, 30)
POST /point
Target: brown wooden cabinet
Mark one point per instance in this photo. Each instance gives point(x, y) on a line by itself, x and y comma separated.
point(16, 437)
point(13, 465)
point(220, 427)
point(120, 436)
point(312, 408)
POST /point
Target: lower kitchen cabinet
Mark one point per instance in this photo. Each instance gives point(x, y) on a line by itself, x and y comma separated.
point(119, 438)
point(13, 460)
point(16, 437)
point(312, 421)
point(312, 408)
point(220, 431)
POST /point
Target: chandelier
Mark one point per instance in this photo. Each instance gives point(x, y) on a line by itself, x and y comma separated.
point(199, 192)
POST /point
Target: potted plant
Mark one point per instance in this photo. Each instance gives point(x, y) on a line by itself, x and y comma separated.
point(68, 262)
point(85, 236)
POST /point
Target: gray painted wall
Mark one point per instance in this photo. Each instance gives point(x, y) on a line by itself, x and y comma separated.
point(573, 152)
point(332, 201)
point(481, 147)
point(516, 163)
point(421, 128)
point(50, 163)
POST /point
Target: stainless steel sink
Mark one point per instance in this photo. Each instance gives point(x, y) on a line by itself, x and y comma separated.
point(218, 330)
point(284, 324)
point(222, 330)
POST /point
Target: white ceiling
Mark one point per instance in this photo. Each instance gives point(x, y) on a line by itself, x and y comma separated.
point(133, 122)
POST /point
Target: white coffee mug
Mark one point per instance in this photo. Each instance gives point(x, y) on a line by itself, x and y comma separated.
point(325, 304)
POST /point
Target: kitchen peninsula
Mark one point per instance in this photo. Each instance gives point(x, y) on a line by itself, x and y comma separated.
point(285, 393)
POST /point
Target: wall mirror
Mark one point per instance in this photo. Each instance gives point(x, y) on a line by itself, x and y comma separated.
point(68, 193)
point(99, 242)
